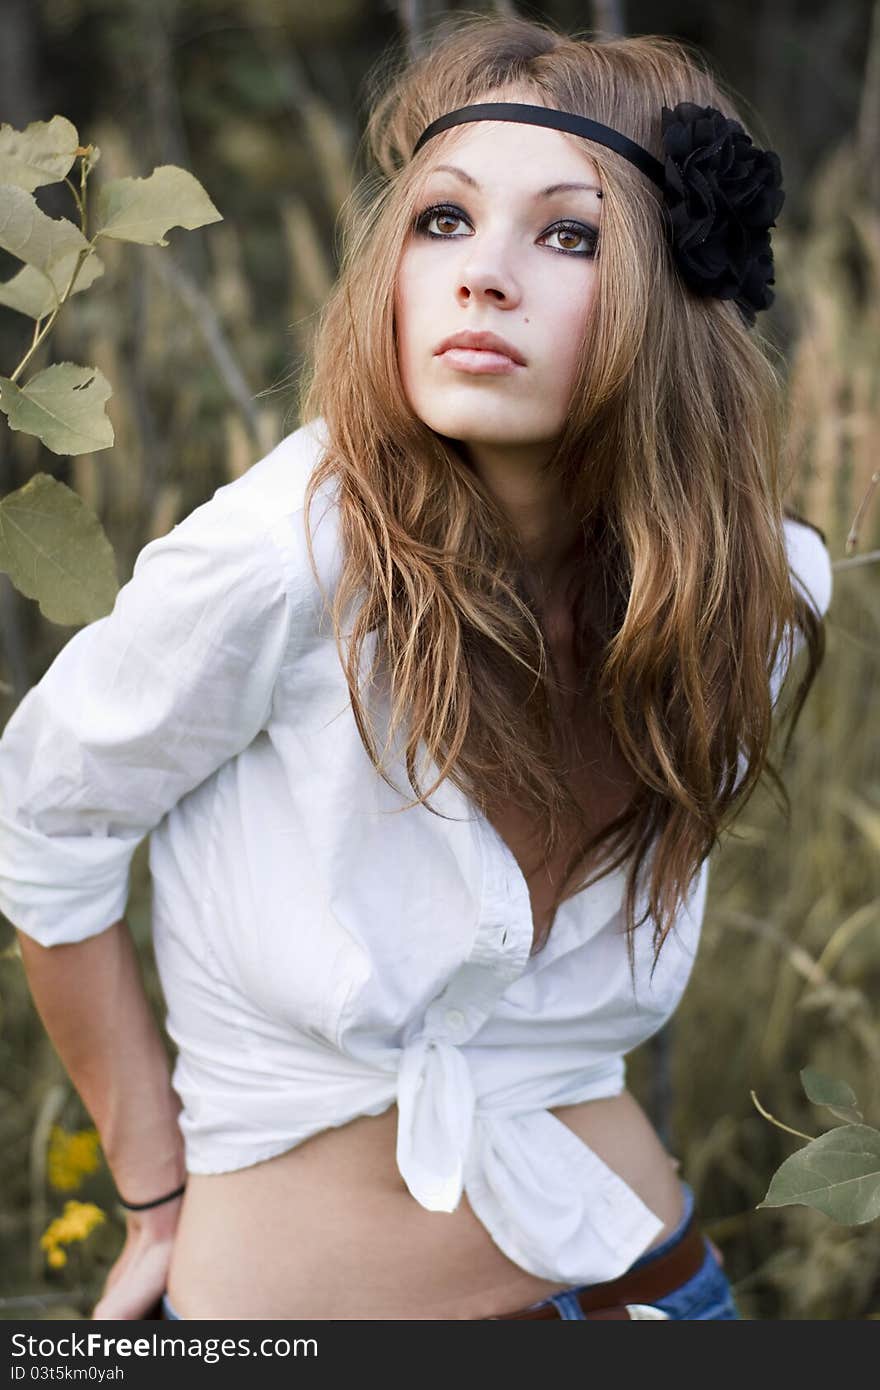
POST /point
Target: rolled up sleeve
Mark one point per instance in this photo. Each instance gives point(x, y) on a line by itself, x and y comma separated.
point(136, 710)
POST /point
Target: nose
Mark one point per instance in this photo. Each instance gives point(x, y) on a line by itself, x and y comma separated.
point(489, 291)
point(485, 275)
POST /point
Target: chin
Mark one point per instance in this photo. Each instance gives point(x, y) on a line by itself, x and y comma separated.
point(478, 427)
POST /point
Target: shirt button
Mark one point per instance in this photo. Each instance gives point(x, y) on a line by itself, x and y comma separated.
point(455, 1018)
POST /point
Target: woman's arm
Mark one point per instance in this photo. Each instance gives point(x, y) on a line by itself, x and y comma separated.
point(91, 999)
point(136, 711)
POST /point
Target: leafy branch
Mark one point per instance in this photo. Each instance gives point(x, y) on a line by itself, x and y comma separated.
point(837, 1173)
point(52, 545)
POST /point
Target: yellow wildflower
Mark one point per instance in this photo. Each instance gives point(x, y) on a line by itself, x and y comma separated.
point(77, 1221)
point(72, 1157)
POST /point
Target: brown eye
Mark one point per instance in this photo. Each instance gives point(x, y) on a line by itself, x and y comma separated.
point(438, 213)
point(575, 235)
point(588, 235)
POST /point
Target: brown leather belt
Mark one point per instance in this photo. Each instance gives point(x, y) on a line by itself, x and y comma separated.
point(656, 1279)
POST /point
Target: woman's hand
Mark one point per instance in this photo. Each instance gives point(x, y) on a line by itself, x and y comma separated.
point(138, 1278)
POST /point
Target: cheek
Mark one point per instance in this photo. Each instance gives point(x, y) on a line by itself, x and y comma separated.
point(415, 324)
point(403, 311)
point(571, 320)
point(406, 284)
point(572, 302)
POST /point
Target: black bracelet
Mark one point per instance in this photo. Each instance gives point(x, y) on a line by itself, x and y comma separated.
point(141, 1206)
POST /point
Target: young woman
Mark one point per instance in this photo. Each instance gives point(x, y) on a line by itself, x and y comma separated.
point(435, 716)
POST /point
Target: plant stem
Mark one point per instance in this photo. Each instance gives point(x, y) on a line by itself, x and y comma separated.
point(778, 1123)
point(78, 202)
point(41, 333)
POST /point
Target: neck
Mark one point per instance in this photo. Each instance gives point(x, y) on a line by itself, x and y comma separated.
point(547, 531)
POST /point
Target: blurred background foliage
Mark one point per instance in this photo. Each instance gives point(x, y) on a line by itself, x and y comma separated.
point(262, 100)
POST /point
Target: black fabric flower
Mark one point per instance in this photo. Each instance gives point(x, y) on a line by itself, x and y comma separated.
point(722, 195)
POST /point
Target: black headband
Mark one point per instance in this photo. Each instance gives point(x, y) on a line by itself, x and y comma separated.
point(546, 116)
point(721, 193)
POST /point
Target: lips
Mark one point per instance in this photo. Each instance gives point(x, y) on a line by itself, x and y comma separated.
point(481, 342)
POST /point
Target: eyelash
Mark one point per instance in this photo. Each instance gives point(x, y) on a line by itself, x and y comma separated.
point(420, 227)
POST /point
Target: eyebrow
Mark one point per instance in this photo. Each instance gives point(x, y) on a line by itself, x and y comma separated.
point(543, 193)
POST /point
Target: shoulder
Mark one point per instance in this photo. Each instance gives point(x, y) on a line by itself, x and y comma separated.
point(810, 561)
point(275, 485)
point(246, 546)
point(268, 499)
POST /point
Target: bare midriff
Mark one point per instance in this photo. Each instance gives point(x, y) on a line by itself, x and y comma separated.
point(330, 1230)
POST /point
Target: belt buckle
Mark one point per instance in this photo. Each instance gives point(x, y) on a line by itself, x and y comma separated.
point(644, 1310)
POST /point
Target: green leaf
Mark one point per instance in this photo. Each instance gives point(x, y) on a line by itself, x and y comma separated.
point(838, 1174)
point(142, 210)
point(36, 292)
point(41, 153)
point(54, 550)
point(29, 234)
point(63, 406)
point(840, 1098)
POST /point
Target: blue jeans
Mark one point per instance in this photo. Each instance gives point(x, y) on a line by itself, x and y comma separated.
point(707, 1294)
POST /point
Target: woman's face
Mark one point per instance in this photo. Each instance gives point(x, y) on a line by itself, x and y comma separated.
point(506, 254)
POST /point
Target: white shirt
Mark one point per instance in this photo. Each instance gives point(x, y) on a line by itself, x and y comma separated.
point(322, 957)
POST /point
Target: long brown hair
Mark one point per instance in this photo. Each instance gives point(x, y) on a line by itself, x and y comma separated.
point(678, 412)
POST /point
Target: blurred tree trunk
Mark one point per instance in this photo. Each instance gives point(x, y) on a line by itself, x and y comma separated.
point(868, 134)
point(609, 17)
point(19, 61)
